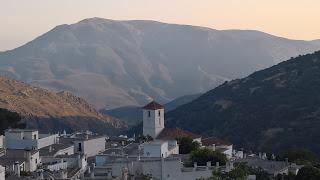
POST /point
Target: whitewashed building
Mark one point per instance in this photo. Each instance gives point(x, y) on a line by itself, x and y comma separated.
point(217, 144)
point(86, 143)
point(158, 158)
point(2, 173)
point(28, 139)
point(1, 141)
point(27, 160)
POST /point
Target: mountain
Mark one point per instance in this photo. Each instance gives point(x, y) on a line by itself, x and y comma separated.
point(132, 115)
point(119, 63)
point(180, 101)
point(270, 110)
point(53, 111)
point(9, 120)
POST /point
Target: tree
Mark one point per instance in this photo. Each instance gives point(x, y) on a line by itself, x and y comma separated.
point(202, 156)
point(239, 173)
point(10, 119)
point(299, 156)
point(186, 145)
point(142, 139)
point(308, 173)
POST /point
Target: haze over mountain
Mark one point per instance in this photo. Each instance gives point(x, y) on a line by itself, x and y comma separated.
point(270, 110)
point(52, 111)
point(132, 115)
point(116, 63)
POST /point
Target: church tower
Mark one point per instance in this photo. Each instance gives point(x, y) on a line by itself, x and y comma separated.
point(153, 119)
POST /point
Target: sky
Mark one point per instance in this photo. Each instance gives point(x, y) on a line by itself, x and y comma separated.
point(23, 20)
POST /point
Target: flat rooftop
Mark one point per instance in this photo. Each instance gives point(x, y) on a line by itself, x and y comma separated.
point(20, 130)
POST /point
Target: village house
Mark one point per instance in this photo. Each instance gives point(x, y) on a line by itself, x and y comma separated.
point(86, 143)
point(28, 139)
point(18, 160)
point(158, 158)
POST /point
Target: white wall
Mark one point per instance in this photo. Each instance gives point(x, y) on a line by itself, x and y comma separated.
point(2, 173)
point(66, 151)
point(154, 124)
point(33, 162)
point(47, 140)
point(153, 149)
point(91, 147)
point(19, 141)
point(162, 169)
point(1, 141)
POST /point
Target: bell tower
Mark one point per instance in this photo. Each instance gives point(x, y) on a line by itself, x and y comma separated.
point(153, 119)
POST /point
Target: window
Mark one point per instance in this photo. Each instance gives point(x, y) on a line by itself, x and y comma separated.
point(35, 136)
point(79, 147)
point(159, 112)
point(36, 161)
point(149, 114)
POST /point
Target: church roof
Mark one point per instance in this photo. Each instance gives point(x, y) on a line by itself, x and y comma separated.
point(174, 133)
point(213, 140)
point(153, 106)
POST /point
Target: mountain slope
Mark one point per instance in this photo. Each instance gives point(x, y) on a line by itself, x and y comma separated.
point(55, 111)
point(271, 110)
point(9, 120)
point(119, 63)
point(132, 115)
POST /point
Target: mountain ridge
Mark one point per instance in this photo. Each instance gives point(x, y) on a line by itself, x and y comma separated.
point(118, 63)
point(270, 110)
point(45, 109)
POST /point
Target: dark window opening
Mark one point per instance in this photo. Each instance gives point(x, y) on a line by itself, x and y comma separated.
point(79, 147)
point(149, 114)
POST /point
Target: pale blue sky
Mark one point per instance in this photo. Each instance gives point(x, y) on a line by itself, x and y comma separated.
point(23, 20)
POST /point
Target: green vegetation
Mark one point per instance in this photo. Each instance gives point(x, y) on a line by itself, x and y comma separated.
point(9, 119)
point(187, 145)
point(299, 156)
point(202, 156)
point(240, 172)
point(142, 139)
point(308, 173)
point(270, 110)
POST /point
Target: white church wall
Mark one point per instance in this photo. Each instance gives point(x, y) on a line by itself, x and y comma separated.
point(153, 122)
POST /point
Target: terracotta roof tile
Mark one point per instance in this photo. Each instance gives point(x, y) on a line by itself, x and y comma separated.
point(213, 140)
point(174, 133)
point(153, 106)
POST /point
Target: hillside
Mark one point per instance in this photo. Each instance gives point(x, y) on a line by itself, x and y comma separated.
point(9, 120)
point(269, 110)
point(52, 111)
point(119, 63)
point(132, 115)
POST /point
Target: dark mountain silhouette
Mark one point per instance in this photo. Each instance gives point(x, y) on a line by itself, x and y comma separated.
point(270, 110)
